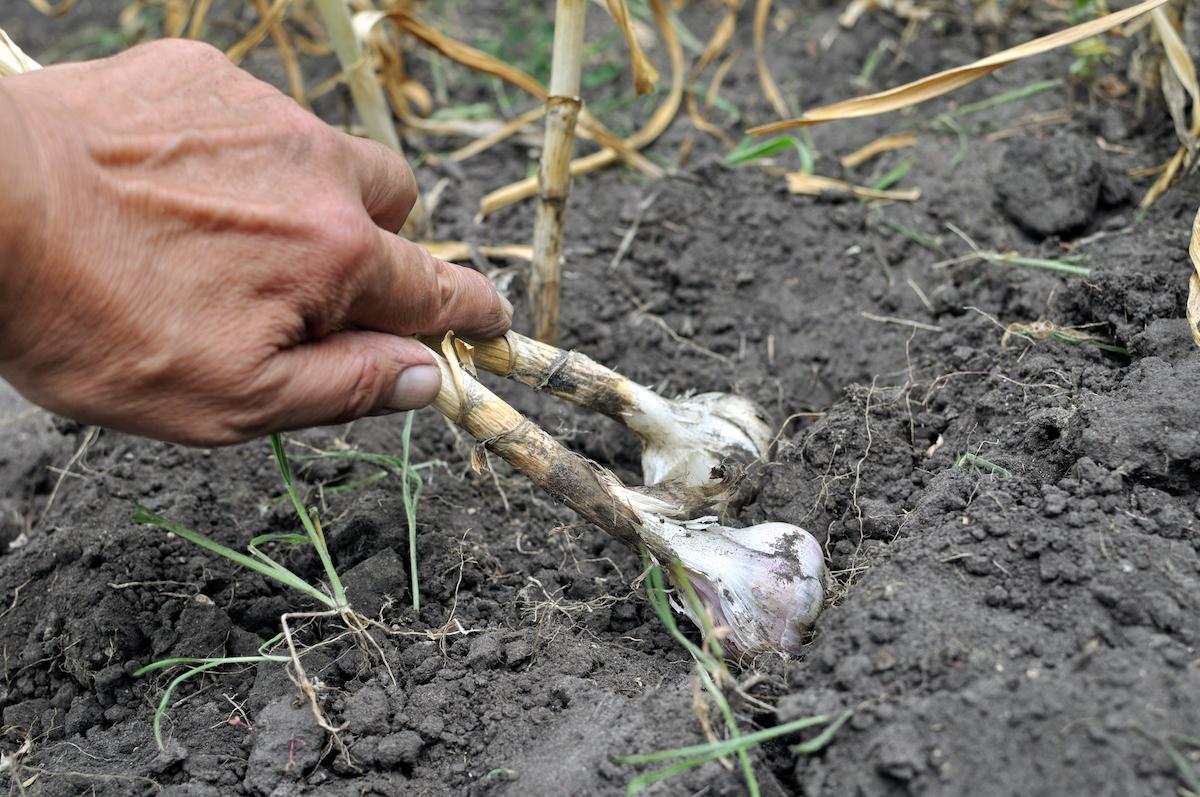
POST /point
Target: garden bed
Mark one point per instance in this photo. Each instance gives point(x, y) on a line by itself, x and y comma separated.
point(1013, 523)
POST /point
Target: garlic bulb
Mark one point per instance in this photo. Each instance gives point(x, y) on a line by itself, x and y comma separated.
point(764, 583)
point(685, 439)
point(13, 61)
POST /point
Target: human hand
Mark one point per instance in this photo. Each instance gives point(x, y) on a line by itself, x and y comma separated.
point(187, 254)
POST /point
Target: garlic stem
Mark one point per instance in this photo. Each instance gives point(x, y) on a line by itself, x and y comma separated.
point(682, 439)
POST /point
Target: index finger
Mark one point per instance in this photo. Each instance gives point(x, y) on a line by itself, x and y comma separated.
point(407, 291)
point(385, 181)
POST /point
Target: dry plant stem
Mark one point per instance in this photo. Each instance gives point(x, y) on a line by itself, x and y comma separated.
point(1193, 300)
point(364, 88)
point(576, 378)
point(554, 174)
point(566, 476)
point(658, 122)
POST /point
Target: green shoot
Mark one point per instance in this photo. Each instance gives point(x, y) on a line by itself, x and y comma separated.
point(411, 486)
point(964, 139)
point(696, 755)
point(1022, 93)
point(863, 80)
point(916, 236)
point(979, 464)
point(337, 489)
point(894, 175)
point(1187, 774)
point(1077, 340)
point(269, 568)
point(1062, 266)
point(748, 151)
point(198, 666)
point(310, 522)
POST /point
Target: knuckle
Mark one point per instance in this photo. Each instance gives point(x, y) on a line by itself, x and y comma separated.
point(350, 235)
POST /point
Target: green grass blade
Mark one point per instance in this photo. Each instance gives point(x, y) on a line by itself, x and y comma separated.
point(657, 595)
point(1043, 264)
point(277, 572)
point(979, 462)
point(895, 175)
point(314, 532)
point(1009, 96)
point(819, 741)
point(1186, 773)
point(204, 665)
point(642, 781)
point(337, 489)
point(293, 539)
point(914, 235)
point(734, 733)
point(715, 666)
point(749, 151)
point(711, 750)
point(391, 460)
point(410, 496)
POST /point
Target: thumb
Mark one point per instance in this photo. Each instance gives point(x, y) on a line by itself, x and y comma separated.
point(351, 374)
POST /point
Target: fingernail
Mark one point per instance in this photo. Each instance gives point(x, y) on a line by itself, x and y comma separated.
point(417, 386)
point(507, 305)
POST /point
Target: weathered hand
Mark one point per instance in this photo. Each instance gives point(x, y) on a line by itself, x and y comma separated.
point(187, 254)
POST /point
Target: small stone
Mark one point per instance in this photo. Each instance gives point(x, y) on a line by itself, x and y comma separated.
point(486, 652)
point(399, 748)
point(367, 710)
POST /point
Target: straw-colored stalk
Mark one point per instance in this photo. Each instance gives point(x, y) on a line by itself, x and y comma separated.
point(554, 174)
point(365, 90)
point(1193, 300)
point(683, 439)
point(657, 123)
point(592, 492)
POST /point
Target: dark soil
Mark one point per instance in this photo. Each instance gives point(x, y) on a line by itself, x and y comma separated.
point(1029, 628)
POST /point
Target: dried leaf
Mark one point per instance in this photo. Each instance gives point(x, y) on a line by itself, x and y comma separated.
point(1176, 95)
point(449, 351)
point(644, 73)
point(13, 61)
point(459, 251)
point(1193, 300)
point(259, 32)
point(816, 185)
point(479, 459)
point(762, 12)
point(1182, 67)
point(508, 130)
point(879, 146)
point(943, 82)
point(658, 122)
point(52, 10)
point(482, 62)
point(1165, 178)
point(466, 356)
